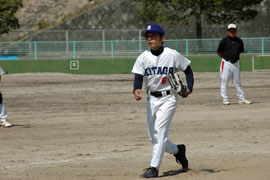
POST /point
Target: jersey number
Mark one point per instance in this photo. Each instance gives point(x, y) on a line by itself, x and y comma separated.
point(164, 80)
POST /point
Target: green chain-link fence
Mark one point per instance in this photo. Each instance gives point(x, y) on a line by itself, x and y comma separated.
point(39, 50)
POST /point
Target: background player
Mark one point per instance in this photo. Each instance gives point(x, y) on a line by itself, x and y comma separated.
point(229, 50)
point(154, 65)
point(3, 112)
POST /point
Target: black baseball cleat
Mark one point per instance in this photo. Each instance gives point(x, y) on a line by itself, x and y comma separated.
point(150, 172)
point(180, 157)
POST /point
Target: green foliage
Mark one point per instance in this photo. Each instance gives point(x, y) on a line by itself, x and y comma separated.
point(8, 21)
point(42, 24)
point(214, 11)
point(66, 17)
point(226, 11)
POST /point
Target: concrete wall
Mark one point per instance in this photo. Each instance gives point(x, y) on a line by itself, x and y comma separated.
point(117, 14)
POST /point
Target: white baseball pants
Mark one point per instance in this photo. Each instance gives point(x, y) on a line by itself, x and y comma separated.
point(229, 71)
point(3, 112)
point(160, 112)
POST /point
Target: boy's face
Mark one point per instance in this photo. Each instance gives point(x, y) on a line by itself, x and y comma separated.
point(154, 40)
point(231, 32)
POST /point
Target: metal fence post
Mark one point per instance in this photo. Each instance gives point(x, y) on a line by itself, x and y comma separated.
point(35, 47)
point(262, 46)
point(30, 44)
point(140, 41)
point(253, 63)
point(187, 47)
point(103, 38)
point(74, 50)
point(67, 41)
point(112, 56)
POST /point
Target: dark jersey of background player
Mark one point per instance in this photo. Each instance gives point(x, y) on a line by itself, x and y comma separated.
point(230, 48)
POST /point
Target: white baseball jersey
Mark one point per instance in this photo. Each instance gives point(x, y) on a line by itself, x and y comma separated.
point(156, 68)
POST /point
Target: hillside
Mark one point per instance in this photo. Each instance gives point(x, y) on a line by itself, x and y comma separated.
point(38, 14)
point(98, 15)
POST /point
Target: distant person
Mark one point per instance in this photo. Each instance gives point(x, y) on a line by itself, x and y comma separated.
point(229, 50)
point(3, 112)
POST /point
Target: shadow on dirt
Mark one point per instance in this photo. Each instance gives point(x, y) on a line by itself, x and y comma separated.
point(173, 172)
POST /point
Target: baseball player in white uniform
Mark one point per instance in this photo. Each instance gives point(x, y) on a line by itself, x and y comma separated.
point(3, 112)
point(229, 50)
point(154, 65)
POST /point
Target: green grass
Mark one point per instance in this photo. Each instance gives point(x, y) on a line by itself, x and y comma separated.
point(121, 66)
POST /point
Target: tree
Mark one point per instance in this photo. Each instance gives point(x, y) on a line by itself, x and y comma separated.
point(8, 21)
point(214, 11)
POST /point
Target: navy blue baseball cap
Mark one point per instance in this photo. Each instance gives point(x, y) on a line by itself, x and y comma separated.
point(153, 28)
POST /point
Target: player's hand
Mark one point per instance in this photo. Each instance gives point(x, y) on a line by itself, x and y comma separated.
point(137, 94)
point(188, 92)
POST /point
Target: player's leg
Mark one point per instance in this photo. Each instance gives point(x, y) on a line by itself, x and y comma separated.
point(170, 147)
point(152, 171)
point(3, 116)
point(151, 118)
point(236, 79)
point(179, 151)
point(3, 112)
point(225, 74)
point(163, 119)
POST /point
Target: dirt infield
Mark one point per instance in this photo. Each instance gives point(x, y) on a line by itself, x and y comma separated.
point(89, 127)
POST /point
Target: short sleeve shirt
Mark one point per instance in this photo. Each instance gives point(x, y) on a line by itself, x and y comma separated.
point(230, 48)
point(156, 68)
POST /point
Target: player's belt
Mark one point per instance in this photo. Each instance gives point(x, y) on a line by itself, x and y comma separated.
point(160, 94)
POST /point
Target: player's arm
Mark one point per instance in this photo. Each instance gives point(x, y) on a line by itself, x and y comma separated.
point(189, 78)
point(138, 81)
point(220, 48)
point(242, 47)
point(182, 63)
point(219, 54)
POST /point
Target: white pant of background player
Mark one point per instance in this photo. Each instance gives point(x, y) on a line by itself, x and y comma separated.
point(3, 112)
point(160, 112)
point(229, 71)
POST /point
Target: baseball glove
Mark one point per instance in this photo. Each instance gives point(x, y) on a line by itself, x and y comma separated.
point(177, 84)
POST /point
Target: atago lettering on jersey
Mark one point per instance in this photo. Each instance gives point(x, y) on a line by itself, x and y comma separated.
point(158, 70)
